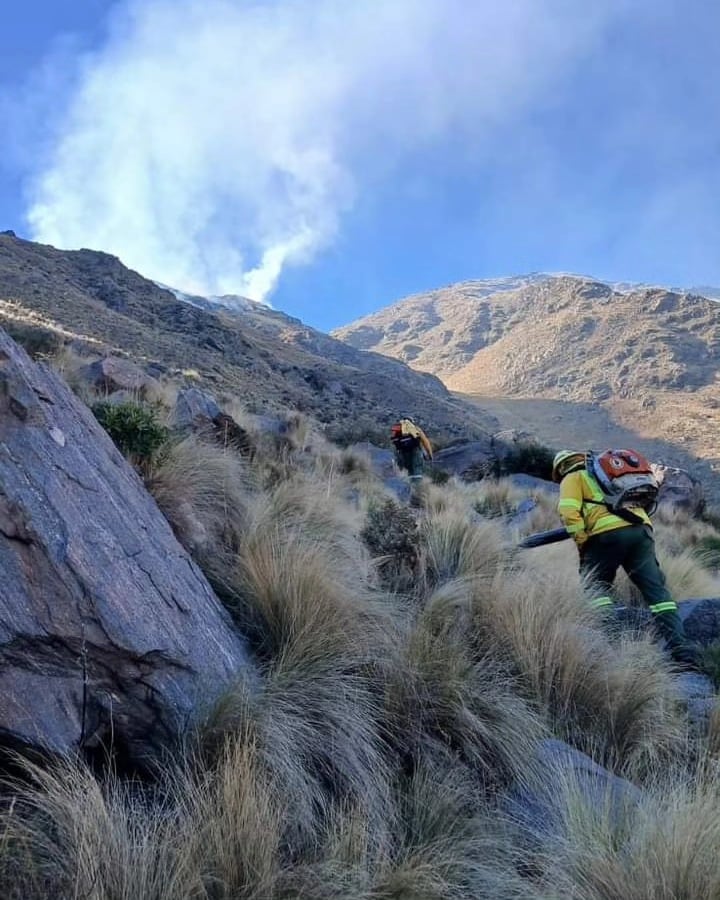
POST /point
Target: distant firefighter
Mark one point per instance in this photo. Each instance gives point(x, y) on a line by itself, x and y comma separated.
point(411, 447)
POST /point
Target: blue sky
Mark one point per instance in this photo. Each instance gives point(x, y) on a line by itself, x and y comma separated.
point(332, 157)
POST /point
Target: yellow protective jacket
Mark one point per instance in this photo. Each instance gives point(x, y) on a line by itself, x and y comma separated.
point(409, 427)
point(583, 518)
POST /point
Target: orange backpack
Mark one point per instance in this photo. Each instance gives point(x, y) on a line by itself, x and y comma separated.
point(402, 439)
point(626, 479)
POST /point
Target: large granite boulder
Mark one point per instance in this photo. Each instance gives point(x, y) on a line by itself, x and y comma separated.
point(109, 633)
point(193, 407)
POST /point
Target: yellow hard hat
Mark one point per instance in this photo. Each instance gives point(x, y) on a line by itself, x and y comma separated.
point(566, 461)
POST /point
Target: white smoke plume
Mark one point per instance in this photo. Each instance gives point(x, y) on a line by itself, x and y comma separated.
point(210, 143)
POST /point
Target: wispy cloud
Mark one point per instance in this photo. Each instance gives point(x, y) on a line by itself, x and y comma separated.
point(211, 143)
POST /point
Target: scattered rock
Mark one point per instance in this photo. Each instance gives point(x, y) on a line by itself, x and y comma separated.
point(701, 619)
point(198, 411)
point(633, 620)
point(469, 460)
point(193, 408)
point(532, 482)
point(400, 487)
point(109, 633)
point(113, 373)
point(698, 695)
point(679, 488)
point(522, 513)
point(382, 461)
point(540, 810)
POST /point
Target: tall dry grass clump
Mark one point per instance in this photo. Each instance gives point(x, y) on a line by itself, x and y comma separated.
point(443, 847)
point(685, 573)
point(614, 699)
point(498, 497)
point(446, 706)
point(68, 835)
point(455, 546)
point(664, 846)
point(301, 587)
point(202, 490)
point(301, 575)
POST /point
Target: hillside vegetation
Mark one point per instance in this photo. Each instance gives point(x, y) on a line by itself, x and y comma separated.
point(414, 667)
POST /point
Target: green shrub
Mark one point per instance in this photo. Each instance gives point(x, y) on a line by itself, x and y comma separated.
point(439, 476)
point(391, 534)
point(36, 340)
point(135, 429)
point(527, 457)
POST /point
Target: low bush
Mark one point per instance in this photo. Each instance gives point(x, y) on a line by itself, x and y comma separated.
point(37, 341)
point(135, 429)
point(527, 457)
point(392, 536)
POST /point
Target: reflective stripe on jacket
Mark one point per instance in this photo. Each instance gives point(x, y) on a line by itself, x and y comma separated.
point(581, 516)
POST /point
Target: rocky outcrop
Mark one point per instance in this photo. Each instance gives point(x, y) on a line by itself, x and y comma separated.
point(269, 360)
point(198, 412)
point(113, 373)
point(109, 633)
point(679, 488)
point(701, 619)
point(470, 460)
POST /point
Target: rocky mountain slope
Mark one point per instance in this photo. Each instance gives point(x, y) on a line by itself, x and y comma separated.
point(649, 357)
point(269, 359)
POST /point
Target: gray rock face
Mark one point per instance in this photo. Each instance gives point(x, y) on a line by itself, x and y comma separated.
point(109, 633)
point(381, 460)
point(699, 697)
point(532, 482)
point(197, 411)
point(471, 459)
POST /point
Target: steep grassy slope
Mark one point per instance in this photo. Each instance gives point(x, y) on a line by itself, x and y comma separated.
point(399, 710)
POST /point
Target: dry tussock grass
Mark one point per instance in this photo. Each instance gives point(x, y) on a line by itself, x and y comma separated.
point(300, 576)
point(665, 846)
point(686, 577)
point(457, 547)
point(498, 497)
point(203, 491)
point(366, 756)
point(615, 701)
point(442, 703)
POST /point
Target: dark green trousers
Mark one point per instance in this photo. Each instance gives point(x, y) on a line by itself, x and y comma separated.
point(412, 462)
point(633, 549)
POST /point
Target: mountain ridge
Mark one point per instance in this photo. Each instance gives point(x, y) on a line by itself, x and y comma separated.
point(647, 356)
point(270, 359)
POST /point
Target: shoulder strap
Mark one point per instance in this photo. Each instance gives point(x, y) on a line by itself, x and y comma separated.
point(627, 514)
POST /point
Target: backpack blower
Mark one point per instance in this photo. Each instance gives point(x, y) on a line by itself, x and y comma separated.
point(540, 538)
